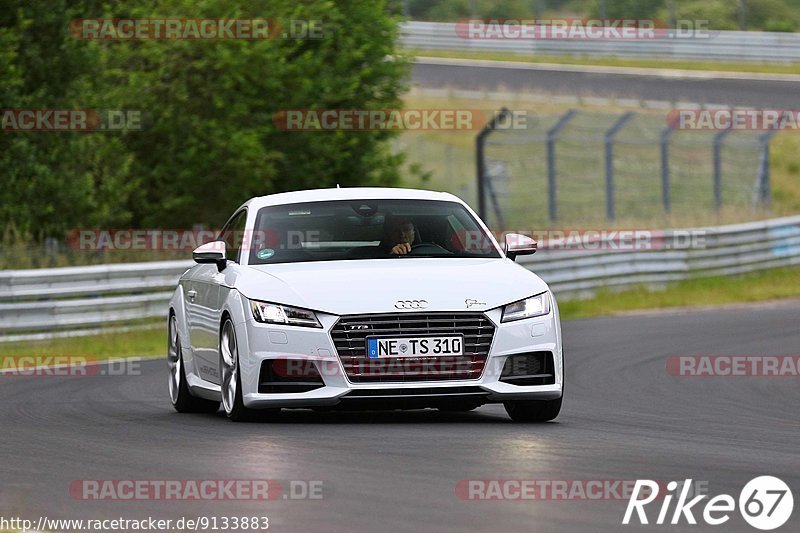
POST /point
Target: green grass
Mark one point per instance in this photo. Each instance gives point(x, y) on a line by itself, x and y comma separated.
point(785, 158)
point(761, 286)
point(108, 345)
point(723, 66)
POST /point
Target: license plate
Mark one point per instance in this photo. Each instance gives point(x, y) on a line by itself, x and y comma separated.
point(378, 347)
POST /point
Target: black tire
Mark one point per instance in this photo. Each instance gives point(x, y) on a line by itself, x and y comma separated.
point(185, 402)
point(241, 413)
point(192, 404)
point(533, 410)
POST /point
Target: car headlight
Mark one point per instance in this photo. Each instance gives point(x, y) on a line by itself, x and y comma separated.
point(283, 314)
point(538, 305)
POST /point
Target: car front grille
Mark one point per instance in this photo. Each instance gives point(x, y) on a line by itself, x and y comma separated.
point(350, 338)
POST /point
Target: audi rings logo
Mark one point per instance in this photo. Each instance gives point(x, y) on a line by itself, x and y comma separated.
point(411, 304)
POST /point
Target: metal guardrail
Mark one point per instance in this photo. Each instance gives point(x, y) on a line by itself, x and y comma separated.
point(75, 298)
point(80, 298)
point(725, 250)
point(722, 45)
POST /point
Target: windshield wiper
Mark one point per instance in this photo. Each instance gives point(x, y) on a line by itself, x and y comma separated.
point(426, 255)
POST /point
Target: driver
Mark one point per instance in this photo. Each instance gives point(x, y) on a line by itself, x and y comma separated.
point(401, 237)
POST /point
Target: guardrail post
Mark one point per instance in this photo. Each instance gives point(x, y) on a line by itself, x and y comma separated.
point(719, 139)
point(552, 137)
point(666, 136)
point(480, 160)
point(764, 180)
point(609, 143)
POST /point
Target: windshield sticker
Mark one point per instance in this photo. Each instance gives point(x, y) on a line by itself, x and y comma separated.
point(266, 253)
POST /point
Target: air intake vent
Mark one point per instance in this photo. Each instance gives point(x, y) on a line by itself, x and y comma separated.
point(535, 368)
point(281, 376)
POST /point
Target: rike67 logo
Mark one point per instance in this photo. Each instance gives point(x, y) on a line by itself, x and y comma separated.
point(765, 503)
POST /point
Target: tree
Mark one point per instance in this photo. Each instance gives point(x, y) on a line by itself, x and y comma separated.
point(209, 141)
point(46, 184)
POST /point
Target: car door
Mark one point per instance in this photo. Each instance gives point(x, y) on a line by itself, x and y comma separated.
point(189, 288)
point(207, 284)
point(204, 321)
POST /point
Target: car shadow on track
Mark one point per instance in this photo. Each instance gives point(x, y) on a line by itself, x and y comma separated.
point(420, 416)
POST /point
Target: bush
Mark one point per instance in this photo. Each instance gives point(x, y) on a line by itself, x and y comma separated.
point(210, 142)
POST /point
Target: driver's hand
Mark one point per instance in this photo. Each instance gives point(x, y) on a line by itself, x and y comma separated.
point(401, 249)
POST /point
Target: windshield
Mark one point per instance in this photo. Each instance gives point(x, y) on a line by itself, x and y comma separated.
point(367, 229)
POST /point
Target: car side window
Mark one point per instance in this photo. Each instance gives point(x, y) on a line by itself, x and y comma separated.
point(233, 236)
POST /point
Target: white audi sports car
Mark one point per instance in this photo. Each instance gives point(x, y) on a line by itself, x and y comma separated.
point(363, 298)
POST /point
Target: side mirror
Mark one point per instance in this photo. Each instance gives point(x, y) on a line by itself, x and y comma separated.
point(517, 244)
point(211, 253)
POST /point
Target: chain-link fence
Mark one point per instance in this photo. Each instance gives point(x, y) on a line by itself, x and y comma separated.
point(584, 167)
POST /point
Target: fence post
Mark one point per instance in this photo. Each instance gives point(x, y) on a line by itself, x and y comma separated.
point(666, 136)
point(764, 180)
point(552, 137)
point(673, 23)
point(498, 213)
point(450, 171)
point(609, 143)
point(538, 9)
point(719, 138)
point(742, 15)
point(480, 144)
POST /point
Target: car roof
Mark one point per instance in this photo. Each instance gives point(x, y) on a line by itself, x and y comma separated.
point(349, 193)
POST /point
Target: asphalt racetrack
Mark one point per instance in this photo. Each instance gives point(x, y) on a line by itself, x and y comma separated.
point(625, 417)
point(757, 93)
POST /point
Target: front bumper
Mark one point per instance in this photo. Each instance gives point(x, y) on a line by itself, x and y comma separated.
point(265, 342)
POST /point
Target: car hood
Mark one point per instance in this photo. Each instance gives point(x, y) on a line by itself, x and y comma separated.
point(375, 286)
